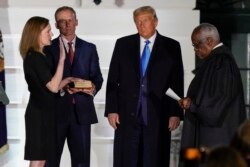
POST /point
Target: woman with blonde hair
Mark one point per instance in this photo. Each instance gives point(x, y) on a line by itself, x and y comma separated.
point(42, 85)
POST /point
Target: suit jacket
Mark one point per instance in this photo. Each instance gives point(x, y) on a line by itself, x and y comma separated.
point(165, 69)
point(85, 66)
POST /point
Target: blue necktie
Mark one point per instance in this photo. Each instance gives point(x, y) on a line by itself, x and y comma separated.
point(145, 57)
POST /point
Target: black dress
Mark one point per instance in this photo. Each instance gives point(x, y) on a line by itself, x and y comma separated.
point(39, 116)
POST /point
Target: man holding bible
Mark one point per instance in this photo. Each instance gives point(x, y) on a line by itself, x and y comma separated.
point(75, 106)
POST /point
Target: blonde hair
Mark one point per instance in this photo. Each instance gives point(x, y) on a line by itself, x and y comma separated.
point(31, 34)
point(145, 9)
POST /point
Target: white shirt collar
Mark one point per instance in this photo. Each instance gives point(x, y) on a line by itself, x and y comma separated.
point(151, 44)
point(65, 42)
point(220, 44)
point(151, 39)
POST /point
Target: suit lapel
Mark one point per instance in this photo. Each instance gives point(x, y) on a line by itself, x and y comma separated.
point(67, 64)
point(135, 56)
point(154, 52)
point(77, 50)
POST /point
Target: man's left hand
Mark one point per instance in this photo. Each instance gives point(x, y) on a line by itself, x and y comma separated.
point(174, 122)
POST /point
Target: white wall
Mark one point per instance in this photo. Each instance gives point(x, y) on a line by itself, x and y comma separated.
point(102, 25)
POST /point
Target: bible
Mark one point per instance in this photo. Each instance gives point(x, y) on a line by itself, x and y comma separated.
point(81, 84)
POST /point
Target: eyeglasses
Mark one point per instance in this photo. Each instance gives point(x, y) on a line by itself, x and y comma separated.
point(197, 44)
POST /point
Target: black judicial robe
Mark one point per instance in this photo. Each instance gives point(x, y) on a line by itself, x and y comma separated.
point(217, 107)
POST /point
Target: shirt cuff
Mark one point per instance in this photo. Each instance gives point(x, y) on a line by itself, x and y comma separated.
point(62, 92)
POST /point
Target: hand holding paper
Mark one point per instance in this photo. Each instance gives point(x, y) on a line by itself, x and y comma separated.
point(172, 94)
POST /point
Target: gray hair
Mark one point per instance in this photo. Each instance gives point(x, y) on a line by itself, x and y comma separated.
point(208, 30)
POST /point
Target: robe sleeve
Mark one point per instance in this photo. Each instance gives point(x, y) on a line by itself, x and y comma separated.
point(220, 87)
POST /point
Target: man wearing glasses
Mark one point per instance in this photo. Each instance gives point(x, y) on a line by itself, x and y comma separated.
point(215, 100)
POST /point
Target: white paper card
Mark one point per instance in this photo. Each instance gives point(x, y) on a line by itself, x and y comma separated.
point(172, 94)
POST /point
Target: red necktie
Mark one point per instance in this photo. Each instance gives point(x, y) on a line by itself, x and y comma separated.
point(71, 58)
point(71, 52)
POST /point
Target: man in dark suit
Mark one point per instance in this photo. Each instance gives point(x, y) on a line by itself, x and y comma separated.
point(75, 106)
point(136, 105)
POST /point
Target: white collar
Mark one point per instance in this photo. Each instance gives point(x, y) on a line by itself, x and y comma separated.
point(218, 45)
point(151, 39)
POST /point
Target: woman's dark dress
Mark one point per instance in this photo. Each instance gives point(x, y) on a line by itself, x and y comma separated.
point(39, 116)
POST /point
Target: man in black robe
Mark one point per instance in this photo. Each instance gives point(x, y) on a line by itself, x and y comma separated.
point(214, 106)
